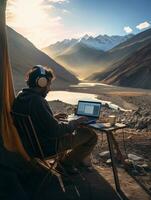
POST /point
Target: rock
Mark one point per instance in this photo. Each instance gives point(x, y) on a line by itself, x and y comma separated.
point(128, 162)
point(108, 161)
point(129, 137)
point(134, 157)
point(105, 154)
point(135, 172)
point(141, 124)
point(144, 165)
point(139, 119)
point(95, 161)
point(149, 127)
point(140, 170)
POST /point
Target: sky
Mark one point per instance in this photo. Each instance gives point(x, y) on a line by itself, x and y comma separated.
point(45, 22)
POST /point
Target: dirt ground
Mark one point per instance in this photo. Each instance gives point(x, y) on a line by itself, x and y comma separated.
point(128, 185)
point(129, 142)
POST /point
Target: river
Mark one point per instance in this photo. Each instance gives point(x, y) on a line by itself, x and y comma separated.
point(74, 97)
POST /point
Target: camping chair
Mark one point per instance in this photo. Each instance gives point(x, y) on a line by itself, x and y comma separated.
point(30, 141)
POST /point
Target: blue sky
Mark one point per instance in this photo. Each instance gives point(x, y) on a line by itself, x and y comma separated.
point(47, 21)
point(108, 17)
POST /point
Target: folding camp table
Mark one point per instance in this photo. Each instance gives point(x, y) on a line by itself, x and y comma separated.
point(111, 144)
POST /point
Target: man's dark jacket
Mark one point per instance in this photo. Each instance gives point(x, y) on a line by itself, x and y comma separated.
point(48, 129)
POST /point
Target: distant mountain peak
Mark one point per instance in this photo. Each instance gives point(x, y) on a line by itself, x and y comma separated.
point(86, 36)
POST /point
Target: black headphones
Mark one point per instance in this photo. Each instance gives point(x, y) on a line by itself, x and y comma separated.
point(39, 76)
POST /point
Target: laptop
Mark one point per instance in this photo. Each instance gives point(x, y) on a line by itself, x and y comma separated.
point(89, 109)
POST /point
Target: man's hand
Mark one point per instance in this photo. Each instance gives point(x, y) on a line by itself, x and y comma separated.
point(60, 116)
point(81, 120)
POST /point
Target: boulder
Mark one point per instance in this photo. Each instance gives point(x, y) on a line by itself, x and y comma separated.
point(134, 157)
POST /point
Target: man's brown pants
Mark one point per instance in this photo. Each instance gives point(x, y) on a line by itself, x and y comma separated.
point(81, 145)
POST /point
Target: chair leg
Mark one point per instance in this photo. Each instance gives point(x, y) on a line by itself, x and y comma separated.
point(52, 170)
point(57, 174)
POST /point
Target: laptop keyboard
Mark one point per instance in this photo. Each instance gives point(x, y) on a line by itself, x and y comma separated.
point(91, 120)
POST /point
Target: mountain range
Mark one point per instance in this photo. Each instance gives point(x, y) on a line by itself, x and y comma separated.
point(24, 55)
point(127, 64)
point(100, 42)
point(83, 54)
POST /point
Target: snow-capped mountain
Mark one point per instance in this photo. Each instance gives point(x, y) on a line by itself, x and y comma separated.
point(104, 42)
point(59, 47)
point(100, 42)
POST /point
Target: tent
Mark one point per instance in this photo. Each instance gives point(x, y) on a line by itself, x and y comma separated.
point(8, 132)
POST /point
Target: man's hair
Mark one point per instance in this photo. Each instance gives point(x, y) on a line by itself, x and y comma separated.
point(34, 73)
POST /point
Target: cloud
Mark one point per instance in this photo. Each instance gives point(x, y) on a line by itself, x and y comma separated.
point(128, 29)
point(143, 25)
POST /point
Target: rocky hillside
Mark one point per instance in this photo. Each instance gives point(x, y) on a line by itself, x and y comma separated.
point(80, 59)
point(135, 71)
point(23, 55)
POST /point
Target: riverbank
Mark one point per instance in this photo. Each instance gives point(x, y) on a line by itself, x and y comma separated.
point(114, 94)
point(117, 95)
point(136, 101)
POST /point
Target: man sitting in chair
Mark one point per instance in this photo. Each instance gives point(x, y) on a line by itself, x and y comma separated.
point(54, 136)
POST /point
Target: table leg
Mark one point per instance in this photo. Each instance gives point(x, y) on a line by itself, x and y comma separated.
point(115, 173)
point(119, 154)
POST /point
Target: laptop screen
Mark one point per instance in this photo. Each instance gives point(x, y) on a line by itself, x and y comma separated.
point(88, 108)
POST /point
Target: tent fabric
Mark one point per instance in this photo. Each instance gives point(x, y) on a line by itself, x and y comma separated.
point(9, 133)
